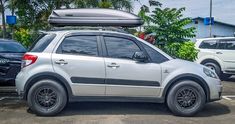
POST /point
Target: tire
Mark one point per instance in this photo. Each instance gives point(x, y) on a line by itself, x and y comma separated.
point(175, 101)
point(214, 67)
point(50, 104)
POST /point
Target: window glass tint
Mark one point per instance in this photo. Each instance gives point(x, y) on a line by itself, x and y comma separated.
point(42, 42)
point(222, 45)
point(120, 47)
point(230, 45)
point(80, 45)
point(208, 44)
point(227, 45)
point(11, 47)
point(154, 55)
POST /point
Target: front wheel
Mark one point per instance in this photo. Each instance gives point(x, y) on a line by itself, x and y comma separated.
point(186, 98)
point(46, 97)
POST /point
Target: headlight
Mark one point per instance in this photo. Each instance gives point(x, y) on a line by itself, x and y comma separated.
point(209, 73)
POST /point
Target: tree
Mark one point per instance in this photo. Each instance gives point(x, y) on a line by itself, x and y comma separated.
point(116, 4)
point(169, 25)
point(2, 10)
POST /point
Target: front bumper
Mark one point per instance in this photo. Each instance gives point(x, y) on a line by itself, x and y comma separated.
point(215, 87)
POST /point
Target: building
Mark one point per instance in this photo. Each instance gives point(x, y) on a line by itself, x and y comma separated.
point(219, 29)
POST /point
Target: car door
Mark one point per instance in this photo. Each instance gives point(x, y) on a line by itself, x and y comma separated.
point(226, 52)
point(78, 59)
point(125, 76)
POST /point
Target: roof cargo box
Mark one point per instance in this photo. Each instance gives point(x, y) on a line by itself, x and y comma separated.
point(93, 17)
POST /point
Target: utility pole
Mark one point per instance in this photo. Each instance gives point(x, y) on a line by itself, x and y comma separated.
point(210, 18)
point(12, 13)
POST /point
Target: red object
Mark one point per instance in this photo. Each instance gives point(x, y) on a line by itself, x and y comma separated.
point(28, 60)
point(142, 36)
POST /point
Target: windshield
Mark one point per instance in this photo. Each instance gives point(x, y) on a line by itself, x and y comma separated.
point(11, 47)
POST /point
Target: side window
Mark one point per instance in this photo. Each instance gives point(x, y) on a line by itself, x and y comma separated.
point(120, 47)
point(208, 44)
point(222, 45)
point(154, 55)
point(230, 45)
point(80, 45)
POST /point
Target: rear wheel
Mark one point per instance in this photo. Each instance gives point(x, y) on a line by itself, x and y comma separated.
point(47, 97)
point(186, 98)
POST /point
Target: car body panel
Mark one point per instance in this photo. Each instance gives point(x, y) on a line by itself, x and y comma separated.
point(134, 73)
point(94, 69)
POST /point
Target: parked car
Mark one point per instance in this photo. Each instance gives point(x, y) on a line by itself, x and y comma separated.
point(103, 65)
point(217, 54)
point(11, 53)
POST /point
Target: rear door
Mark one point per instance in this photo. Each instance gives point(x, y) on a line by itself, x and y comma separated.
point(226, 52)
point(126, 77)
point(78, 58)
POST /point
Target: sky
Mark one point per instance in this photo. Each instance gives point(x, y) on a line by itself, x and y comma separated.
point(223, 10)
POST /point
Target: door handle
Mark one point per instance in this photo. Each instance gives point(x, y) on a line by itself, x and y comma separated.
point(219, 53)
point(61, 62)
point(114, 65)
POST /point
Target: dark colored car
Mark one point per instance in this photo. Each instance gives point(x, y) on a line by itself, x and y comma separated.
point(11, 53)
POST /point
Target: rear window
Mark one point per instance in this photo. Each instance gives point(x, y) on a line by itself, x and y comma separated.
point(208, 44)
point(42, 42)
point(11, 47)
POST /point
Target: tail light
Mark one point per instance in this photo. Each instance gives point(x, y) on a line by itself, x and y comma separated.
point(28, 60)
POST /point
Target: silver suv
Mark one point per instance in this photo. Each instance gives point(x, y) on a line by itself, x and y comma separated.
point(90, 65)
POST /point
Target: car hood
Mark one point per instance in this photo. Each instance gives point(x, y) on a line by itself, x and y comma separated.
point(181, 64)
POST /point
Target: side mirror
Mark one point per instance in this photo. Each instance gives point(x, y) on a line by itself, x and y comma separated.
point(140, 57)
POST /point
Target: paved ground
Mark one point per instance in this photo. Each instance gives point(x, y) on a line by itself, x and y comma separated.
point(13, 111)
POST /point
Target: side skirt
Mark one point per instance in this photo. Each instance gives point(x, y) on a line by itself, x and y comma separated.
point(115, 99)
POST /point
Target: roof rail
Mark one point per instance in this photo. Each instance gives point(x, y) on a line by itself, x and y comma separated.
point(116, 29)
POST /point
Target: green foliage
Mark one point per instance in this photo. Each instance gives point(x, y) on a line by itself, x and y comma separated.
point(184, 50)
point(23, 36)
point(34, 14)
point(169, 26)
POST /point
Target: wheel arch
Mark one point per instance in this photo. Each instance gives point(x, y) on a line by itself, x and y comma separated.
point(213, 61)
point(192, 77)
point(47, 75)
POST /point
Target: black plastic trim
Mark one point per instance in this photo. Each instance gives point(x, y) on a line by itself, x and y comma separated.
point(46, 75)
point(188, 76)
point(114, 81)
point(116, 99)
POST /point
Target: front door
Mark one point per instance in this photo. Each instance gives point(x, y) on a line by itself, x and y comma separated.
point(77, 59)
point(126, 77)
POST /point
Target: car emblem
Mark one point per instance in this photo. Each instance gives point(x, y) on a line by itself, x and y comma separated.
point(3, 61)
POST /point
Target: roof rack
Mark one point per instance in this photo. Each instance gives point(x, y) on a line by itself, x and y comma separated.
point(116, 29)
